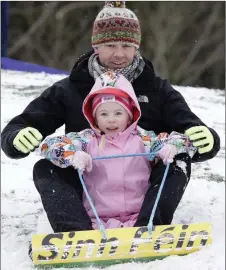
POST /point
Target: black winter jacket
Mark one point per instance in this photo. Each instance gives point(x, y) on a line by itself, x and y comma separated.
point(163, 108)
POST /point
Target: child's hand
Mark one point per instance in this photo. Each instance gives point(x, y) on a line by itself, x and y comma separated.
point(82, 161)
point(167, 153)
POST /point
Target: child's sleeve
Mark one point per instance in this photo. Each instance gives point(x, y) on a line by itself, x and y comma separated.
point(182, 143)
point(61, 149)
point(153, 143)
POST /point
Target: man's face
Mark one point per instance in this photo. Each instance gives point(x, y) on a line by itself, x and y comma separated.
point(116, 56)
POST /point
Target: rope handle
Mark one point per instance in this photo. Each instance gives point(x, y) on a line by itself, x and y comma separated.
point(150, 223)
point(150, 155)
point(100, 224)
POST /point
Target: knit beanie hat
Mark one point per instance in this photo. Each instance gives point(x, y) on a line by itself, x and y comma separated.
point(105, 98)
point(116, 23)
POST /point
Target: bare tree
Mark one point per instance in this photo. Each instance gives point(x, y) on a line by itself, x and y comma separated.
point(167, 34)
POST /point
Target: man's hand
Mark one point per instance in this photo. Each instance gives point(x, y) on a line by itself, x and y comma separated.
point(201, 137)
point(27, 140)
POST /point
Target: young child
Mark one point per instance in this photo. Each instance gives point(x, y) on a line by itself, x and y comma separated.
point(117, 186)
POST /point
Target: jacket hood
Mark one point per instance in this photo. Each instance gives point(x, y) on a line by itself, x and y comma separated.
point(116, 84)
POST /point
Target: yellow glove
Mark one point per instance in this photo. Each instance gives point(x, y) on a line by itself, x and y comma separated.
point(27, 140)
point(201, 136)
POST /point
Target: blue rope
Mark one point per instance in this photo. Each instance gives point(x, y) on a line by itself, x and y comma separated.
point(150, 223)
point(100, 224)
point(151, 155)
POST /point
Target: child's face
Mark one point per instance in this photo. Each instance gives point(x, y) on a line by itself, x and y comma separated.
point(112, 118)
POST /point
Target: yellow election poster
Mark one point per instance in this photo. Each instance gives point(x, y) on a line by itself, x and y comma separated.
point(124, 244)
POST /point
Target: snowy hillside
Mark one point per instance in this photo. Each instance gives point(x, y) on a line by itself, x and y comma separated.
point(204, 199)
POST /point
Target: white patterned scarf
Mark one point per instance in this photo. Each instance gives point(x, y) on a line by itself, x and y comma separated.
point(131, 72)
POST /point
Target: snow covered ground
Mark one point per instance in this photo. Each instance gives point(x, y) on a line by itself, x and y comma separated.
point(204, 199)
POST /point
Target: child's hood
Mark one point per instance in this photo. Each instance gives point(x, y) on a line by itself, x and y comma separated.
point(111, 83)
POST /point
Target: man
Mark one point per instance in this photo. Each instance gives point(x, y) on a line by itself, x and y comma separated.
point(116, 39)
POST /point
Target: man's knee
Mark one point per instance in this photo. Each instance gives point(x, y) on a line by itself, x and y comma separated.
point(46, 174)
point(42, 164)
point(181, 167)
point(182, 163)
point(41, 173)
point(42, 168)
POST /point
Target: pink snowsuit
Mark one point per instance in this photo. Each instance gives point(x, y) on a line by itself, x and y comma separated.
point(117, 186)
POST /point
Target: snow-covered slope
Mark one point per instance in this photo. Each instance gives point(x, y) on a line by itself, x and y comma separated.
point(204, 199)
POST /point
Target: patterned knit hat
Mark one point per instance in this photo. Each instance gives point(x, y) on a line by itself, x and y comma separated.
point(115, 23)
